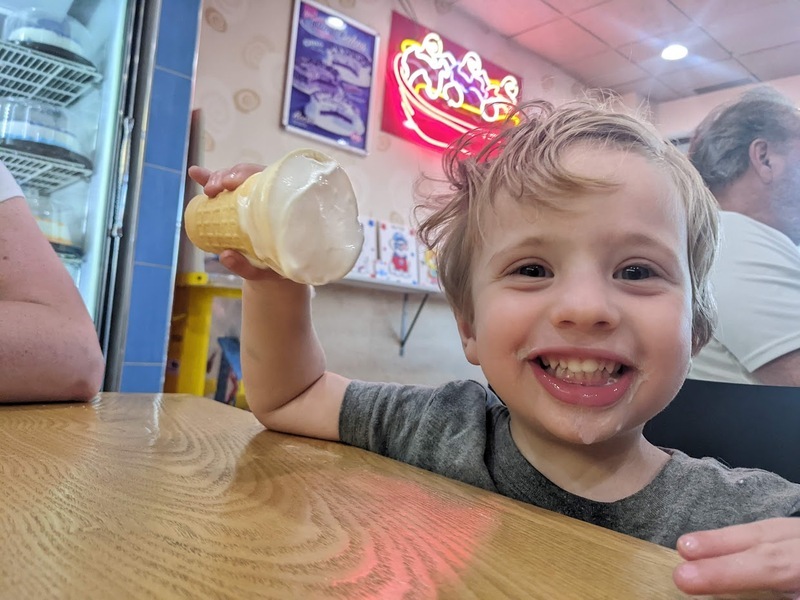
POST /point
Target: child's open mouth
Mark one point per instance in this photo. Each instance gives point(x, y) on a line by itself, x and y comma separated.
point(584, 371)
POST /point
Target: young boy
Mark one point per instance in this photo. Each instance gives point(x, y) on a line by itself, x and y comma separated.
point(574, 249)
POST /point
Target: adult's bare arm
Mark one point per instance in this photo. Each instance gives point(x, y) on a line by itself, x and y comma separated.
point(48, 345)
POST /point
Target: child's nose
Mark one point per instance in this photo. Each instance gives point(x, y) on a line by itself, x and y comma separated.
point(586, 307)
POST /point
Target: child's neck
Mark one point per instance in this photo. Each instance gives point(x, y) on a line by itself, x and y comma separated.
point(602, 472)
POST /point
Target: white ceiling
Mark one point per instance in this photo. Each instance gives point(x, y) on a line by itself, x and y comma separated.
point(617, 43)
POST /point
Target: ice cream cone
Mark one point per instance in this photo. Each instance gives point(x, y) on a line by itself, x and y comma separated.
point(212, 224)
point(299, 218)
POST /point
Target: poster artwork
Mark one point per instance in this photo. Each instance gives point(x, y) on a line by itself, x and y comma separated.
point(330, 77)
point(397, 254)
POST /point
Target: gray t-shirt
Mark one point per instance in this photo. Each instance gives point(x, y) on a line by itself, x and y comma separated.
point(461, 430)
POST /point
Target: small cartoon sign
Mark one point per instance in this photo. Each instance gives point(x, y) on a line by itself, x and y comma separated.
point(397, 254)
point(428, 272)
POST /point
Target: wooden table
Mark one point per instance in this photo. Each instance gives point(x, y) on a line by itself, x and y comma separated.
point(175, 496)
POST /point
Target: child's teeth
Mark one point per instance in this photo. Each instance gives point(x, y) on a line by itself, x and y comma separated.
point(577, 366)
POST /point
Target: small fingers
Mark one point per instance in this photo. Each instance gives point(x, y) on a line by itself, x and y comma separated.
point(737, 538)
point(199, 174)
point(769, 566)
point(215, 182)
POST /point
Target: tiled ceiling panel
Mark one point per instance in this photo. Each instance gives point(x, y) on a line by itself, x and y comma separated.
point(617, 43)
point(505, 21)
point(770, 64)
point(621, 22)
point(561, 41)
point(712, 75)
point(777, 24)
point(606, 69)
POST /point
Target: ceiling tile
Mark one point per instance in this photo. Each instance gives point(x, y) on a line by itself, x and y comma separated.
point(569, 7)
point(561, 41)
point(697, 41)
point(606, 69)
point(730, 41)
point(651, 90)
point(621, 22)
point(772, 63)
point(763, 27)
point(702, 50)
point(686, 81)
point(709, 11)
point(513, 17)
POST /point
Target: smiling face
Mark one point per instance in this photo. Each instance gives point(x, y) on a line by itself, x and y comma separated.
point(583, 313)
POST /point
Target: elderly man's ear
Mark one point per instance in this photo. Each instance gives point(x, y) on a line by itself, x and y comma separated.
point(760, 155)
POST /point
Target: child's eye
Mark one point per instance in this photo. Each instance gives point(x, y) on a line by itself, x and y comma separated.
point(533, 271)
point(634, 273)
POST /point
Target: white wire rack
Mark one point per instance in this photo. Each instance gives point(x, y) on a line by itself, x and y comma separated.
point(44, 173)
point(28, 73)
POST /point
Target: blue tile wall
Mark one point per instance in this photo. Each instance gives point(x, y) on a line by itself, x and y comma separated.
point(169, 119)
point(149, 314)
point(141, 378)
point(161, 199)
point(176, 40)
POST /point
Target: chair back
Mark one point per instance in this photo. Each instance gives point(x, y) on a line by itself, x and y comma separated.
point(741, 425)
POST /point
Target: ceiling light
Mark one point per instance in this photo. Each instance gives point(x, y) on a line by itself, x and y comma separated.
point(674, 52)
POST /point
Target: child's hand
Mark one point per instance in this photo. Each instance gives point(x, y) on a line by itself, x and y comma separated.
point(759, 556)
point(214, 182)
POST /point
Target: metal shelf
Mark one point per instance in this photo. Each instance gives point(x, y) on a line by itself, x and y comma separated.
point(44, 173)
point(28, 73)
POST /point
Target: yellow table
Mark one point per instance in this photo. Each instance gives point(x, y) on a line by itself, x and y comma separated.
point(175, 496)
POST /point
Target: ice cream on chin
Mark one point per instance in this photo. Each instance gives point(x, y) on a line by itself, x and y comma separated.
point(299, 217)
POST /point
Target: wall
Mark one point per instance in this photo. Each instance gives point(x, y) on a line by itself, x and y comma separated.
point(240, 84)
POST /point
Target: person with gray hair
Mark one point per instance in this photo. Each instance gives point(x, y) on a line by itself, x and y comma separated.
point(748, 153)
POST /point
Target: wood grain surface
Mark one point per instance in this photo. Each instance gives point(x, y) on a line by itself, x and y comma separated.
point(174, 496)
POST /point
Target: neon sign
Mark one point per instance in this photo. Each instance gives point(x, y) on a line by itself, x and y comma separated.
point(437, 90)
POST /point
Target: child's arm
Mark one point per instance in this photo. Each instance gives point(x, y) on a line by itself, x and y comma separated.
point(283, 362)
point(759, 556)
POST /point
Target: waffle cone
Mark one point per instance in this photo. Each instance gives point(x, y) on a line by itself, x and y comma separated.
point(212, 224)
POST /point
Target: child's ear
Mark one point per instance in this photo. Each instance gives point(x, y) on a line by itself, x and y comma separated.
point(468, 342)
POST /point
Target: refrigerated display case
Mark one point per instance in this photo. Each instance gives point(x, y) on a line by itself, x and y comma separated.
point(74, 79)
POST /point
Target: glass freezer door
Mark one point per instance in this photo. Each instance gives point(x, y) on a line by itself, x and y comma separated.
point(63, 76)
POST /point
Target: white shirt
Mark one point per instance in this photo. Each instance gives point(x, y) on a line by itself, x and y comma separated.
point(8, 186)
point(756, 283)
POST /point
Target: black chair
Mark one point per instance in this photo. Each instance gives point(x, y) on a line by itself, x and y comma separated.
point(741, 425)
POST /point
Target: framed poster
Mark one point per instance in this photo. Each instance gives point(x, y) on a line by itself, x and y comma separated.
point(330, 77)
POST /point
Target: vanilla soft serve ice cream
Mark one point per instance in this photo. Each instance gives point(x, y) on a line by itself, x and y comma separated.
point(299, 217)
